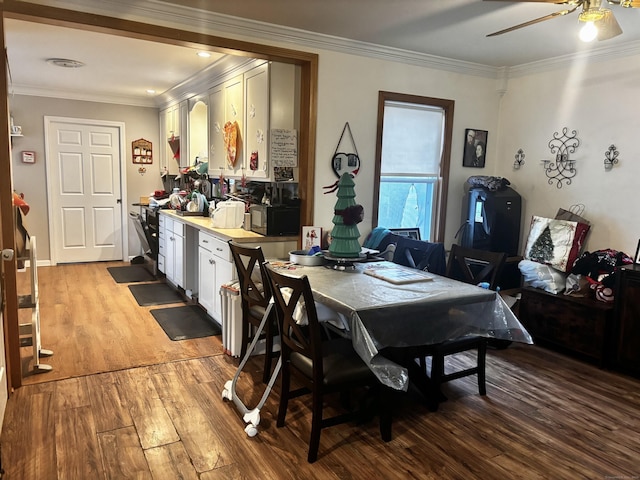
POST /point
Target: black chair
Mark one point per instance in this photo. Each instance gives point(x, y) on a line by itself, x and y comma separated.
point(255, 294)
point(470, 266)
point(321, 366)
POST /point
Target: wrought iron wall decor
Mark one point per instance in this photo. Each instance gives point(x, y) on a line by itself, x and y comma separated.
point(563, 169)
point(610, 157)
point(519, 159)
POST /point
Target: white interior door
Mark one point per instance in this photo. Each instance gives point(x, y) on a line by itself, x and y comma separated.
point(85, 191)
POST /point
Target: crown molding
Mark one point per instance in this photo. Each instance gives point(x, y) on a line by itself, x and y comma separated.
point(149, 102)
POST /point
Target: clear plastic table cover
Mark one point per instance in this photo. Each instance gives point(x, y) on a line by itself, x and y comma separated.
point(383, 314)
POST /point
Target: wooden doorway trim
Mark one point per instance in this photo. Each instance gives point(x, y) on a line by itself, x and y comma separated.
point(22, 10)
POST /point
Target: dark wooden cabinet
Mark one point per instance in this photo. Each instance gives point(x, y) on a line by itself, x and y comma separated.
point(580, 326)
point(626, 342)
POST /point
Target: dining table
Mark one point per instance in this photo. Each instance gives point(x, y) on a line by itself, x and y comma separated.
point(379, 313)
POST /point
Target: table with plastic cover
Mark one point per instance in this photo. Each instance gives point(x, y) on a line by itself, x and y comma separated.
point(382, 314)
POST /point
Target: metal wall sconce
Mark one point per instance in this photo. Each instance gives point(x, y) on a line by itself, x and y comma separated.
point(610, 158)
point(519, 159)
point(563, 169)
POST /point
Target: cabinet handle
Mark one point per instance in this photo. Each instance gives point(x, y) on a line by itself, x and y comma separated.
point(211, 261)
point(205, 241)
point(218, 249)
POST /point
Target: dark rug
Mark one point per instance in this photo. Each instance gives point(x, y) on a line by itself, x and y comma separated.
point(131, 274)
point(155, 294)
point(183, 323)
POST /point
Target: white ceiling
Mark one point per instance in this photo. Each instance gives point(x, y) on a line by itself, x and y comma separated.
point(123, 68)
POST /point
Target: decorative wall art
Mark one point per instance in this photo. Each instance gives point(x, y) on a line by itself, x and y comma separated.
point(141, 151)
point(343, 162)
point(475, 148)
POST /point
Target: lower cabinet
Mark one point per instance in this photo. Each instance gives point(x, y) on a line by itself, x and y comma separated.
point(627, 332)
point(581, 326)
point(215, 268)
point(172, 250)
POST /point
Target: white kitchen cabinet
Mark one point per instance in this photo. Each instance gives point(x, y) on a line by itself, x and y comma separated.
point(174, 125)
point(217, 158)
point(270, 103)
point(171, 252)
point(215, 268)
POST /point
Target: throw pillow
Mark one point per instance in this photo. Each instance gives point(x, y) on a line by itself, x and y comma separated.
point(555, 242)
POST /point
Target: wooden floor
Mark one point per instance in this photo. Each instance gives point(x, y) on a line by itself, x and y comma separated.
point(123, 402)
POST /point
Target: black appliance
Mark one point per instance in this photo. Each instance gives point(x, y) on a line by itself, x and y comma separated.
point(491, 219)
point(275, 220)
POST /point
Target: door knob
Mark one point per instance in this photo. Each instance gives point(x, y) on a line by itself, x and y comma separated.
point(7, 254)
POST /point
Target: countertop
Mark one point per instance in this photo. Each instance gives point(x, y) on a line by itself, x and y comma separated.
point(239, 235)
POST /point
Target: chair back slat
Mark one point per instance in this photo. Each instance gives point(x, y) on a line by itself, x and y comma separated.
point(474, 266)
point(289, 293)
point(247, 260)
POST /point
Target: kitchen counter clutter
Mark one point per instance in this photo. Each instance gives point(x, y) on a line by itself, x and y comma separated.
point(195, 257)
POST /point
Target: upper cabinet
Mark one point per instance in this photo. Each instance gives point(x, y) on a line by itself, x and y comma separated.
point(174, 149)
point(198, 130)
point(243, 108)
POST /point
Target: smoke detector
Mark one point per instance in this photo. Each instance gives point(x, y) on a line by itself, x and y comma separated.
point(65, 63)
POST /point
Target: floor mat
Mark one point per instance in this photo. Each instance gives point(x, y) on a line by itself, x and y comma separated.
point(183, 323)
point(131, 274)
point(155, 294)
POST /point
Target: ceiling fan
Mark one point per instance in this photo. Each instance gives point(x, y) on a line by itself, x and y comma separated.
point(599, 22)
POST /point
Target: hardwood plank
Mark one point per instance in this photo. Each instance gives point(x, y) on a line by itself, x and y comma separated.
point(205, 445)
point(122, 456)
point(77, 449)
point(147, 411)
point(28, 449)
point(109, 410)
point(171, 461)
point(71, 393)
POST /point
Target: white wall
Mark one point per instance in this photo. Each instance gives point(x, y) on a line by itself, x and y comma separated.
point(348, 92)
point(599, 101)
point(29, 112)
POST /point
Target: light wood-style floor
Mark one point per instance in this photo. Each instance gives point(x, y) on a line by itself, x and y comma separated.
point(123, 402)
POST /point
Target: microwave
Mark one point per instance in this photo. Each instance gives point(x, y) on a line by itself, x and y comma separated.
point(275, 220)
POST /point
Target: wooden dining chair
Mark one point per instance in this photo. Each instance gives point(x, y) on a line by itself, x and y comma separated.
point(470, 266)
point(255, 294)
point(321, 366)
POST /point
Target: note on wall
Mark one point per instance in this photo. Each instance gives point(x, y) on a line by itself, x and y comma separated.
point(284, 147)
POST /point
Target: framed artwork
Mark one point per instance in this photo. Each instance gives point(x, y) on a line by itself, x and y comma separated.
point(311, 237)
point(636, 258)
point(475, 148)
point(412, 233)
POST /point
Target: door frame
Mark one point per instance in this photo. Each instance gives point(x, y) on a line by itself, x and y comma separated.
point(48, 120)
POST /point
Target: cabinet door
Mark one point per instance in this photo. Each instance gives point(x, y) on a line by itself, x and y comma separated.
point(217, 160)
point(206, 279)
point(256, 141)
point(234, 112)
point(182, 127)
point(628, 327)
point(179, 253)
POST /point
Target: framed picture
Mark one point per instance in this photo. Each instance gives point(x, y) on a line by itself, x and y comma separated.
point(311, 237)
point(28, 157)
point(636, 258)
point(475, 148)
point(413, 233)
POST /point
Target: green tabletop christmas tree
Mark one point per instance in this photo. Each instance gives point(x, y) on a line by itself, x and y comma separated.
point(347, 214)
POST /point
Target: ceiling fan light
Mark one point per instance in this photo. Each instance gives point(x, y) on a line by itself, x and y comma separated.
point(589, 32)
point(630, 3)
point(608, 27)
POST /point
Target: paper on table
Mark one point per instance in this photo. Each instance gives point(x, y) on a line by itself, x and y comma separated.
point(398, 275)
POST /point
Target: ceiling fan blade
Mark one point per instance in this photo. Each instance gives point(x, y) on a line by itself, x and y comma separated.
point(608, 27)
point(534, 21)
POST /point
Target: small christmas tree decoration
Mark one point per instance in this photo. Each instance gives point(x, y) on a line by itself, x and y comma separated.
point(542, 249)
point(347, 214)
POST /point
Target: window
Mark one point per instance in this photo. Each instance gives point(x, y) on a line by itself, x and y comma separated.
point(412, 163)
